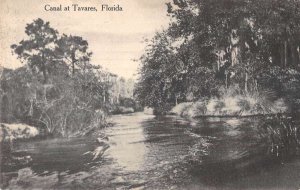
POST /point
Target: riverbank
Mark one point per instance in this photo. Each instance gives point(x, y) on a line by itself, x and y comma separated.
point(10, 133)
point(164, 152)
point(230, 106)
point(122, 110)
point(17, 131)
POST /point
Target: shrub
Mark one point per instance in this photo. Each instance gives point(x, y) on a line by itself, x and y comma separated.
point(232, 104)
point(283, 136)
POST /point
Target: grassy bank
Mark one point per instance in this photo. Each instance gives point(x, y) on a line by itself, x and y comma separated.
point(10, 132)
point(231, 105)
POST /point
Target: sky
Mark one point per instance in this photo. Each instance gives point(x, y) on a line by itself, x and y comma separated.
point(115, 38)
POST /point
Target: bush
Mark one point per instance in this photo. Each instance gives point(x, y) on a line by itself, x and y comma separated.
point(122, 110)
point(64, 106)
point(130, 103)
point(232, 104)
point(283, 136)
point(11, 132)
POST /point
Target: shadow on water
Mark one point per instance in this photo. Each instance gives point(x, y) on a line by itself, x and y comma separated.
point(243, 148)
point(167, 152)
point(57, 155)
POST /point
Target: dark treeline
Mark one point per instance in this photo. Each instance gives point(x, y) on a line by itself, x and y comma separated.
point(215, 46)
point(58, 89)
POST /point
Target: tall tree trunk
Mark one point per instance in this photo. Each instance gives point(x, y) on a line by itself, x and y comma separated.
point(226, 79)
point(276, 54)
point(30, 113)
point(104, 99)
point(298, 54)
point(281, 52)
point(73, 63)
point(234, 41)
point(256, 86)
point(285, 54)
point(294, 55)
point(45, 75)
point(246, 82)
point(44, 69)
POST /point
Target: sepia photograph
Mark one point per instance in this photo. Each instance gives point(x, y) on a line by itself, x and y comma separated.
point(150, 95)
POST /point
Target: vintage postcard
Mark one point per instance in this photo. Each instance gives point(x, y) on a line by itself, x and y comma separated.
point(149, 94)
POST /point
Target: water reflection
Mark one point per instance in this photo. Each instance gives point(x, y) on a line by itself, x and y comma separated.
point(59, 155)
point(160, 153)
point(127, 138)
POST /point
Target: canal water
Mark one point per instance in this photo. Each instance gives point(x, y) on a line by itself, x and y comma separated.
point(148, 152)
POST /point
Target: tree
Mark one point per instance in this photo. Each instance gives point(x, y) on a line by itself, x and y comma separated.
point(74, 50)
point(39, 50)
point(70, 98)
point(163, 73)
point(223, 43)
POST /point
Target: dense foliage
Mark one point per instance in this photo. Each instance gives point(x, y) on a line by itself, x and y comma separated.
point(58, 89)
point(252, 45)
